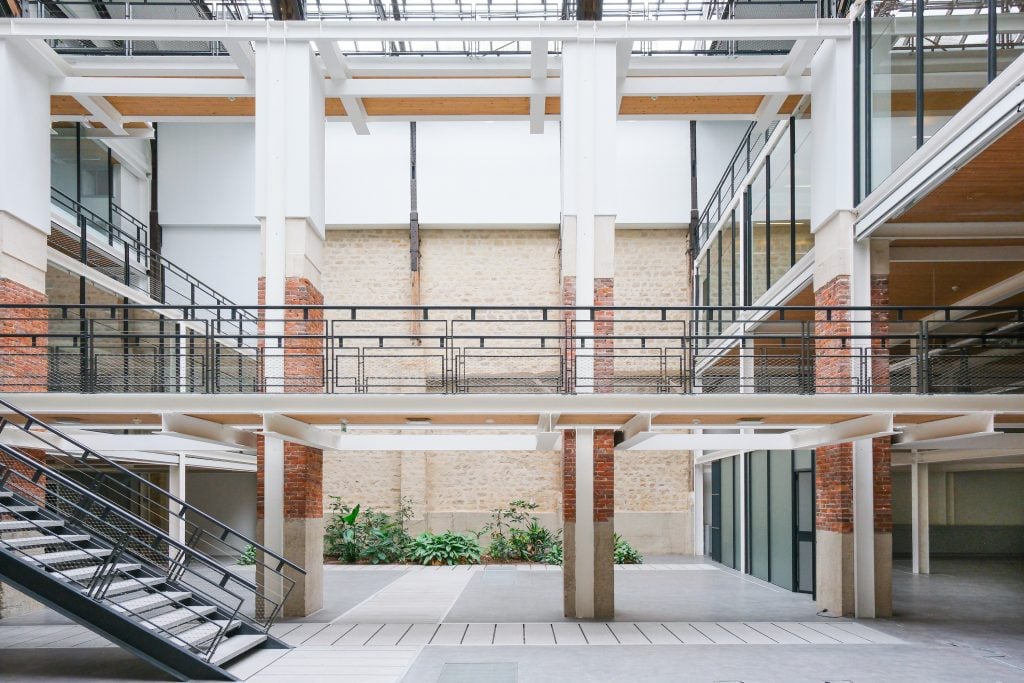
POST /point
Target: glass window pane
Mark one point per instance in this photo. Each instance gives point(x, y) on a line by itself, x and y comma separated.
point(728, 526)
point(758, 245)
point(955, 60)
point(892, 89)
point(1010, 34)
point(759, 543)
point(802, 206)
point(781, 515)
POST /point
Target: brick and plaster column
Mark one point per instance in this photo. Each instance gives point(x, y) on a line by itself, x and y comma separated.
point(852, 480)
point(588, 522)
point(588, 272)
point(290, 208)
point(24, 226)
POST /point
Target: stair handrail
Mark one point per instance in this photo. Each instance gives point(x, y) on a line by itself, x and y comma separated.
point(88, 452)
point(277, 564)
point(106, 570)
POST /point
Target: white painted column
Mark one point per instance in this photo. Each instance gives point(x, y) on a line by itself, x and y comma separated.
point(24, 168)
point(584, 537)
point(919, 516)
point(588, 177)
point(863, 530)
point(697, 505)
point(176, 487)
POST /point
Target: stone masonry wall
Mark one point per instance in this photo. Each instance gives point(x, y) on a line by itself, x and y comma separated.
point(652, 490)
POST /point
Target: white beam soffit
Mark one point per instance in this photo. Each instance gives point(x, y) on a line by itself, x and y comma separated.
point(793, 406)
point(951, 428)
point(302, 31)
point(205, 430)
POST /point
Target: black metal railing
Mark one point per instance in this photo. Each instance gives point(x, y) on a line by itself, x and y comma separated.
point(731, 182)
point(124, 255)
point(542, 350)
point(136, 517)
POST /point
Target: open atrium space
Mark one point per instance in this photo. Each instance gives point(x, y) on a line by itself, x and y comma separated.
point(511, 341)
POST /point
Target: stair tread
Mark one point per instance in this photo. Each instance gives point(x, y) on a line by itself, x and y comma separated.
point(86, 572)
point(179, 616)
point(236, 646)
point(70, 555)
point(18, 508)
point(6, 494)
point(32, 541)
point(152, 601)
point(131, 585)
point(34, 524)
point(205, 631)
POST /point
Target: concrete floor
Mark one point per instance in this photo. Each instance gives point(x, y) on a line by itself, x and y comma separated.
point(963, 622)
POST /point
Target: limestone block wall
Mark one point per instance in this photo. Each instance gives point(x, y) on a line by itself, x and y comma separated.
point(501, 267)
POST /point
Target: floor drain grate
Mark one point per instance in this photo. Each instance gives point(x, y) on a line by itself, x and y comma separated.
point(492, 672)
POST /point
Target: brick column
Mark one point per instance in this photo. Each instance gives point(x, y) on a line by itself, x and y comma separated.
point(834, 491)
point(588, 485)
point(604, 325)
point(301, 370)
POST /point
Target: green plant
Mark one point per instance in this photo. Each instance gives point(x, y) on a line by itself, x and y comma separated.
point(446, 548)
point(517, 535)
point(625, 553)
point(248, 556)
point(356, 534)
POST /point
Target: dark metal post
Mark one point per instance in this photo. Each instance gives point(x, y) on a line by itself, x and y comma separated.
point(919, 68)
point(993, 38)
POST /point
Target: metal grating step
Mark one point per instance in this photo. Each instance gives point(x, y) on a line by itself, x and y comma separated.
point(34, 524)
point(82, 574)
point(37, 541)
point(197, 635)
point(10, 509)
point(152, 601)
point(70, 556)
point(178, 617)
point(133, 585)
point(236, 646)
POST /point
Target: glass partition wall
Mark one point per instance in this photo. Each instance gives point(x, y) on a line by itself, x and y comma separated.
point(764, 230)
point(918, 63)
point(762, 516)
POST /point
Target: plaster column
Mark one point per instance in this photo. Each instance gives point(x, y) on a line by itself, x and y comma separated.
point(852, 480)
point(588, 271)
point(24, 227)
point(290, 208)
point(413, 489)
point(919, 516)
point(176, 487)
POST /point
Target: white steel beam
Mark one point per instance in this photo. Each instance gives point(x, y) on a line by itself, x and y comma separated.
point(437, 442)
point(337, 68)
point(461, 31)
point(867, 427)
point(960, 456)
point(102, 111)
point(636, 431)
point(623, 54)
point(295, 431)
point(204, 430)
point(538, 78)
point(99, 86)
point(950, 428)
point(245, 58)
point(797, 407)
point(548, 434)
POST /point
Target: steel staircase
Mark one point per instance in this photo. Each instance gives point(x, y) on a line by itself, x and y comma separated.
point(89, 538)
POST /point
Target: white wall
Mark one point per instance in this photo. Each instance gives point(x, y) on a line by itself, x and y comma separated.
point(716, 143)
point(474, 173)
point(206, 173)
point(225, 257)
point(653, 172)
point(367, 176)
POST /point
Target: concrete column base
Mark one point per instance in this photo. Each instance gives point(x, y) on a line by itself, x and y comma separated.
point(304, 545)
point(602, 595)
point(14, 603)
point(834, 572)
point(883, 574)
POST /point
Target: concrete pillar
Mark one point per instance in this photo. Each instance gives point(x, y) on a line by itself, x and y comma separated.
point(852, 485)
point(588, 271)
point(24, 227)
point(176, 487)
point(290, 208)
point(588, 509)
point(919, 517)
